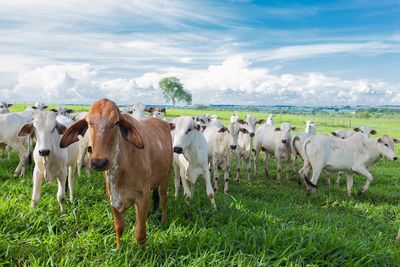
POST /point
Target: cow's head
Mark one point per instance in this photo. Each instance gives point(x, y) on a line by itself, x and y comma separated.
point(185, 130)
point(47, 131)
point(234, 130)
point(310, 127)
point(385, 147)
point(284, 131)
point(106, 126)
point(366, 130)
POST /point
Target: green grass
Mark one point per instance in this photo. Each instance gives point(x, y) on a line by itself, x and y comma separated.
point(263, 224)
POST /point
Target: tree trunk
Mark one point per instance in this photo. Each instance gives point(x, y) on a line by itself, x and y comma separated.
point(173, 102)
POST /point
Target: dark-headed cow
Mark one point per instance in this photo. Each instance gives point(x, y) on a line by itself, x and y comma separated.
point(135, 155)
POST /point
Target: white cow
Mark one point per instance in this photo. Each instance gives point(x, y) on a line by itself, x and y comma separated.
point(219, 155)
point(51, 160)
point(274, 141)
point(137, 110)
point(4, 110)
point(4, 107)
point(297, 145)
point(10, 124)
point(64, 111)
point(235, 117)
point(270, 120)
point(343, 134)
point(203, 121)
point(190, 157)
point(354, 154)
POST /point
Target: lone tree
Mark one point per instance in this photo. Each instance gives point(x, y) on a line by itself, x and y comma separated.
point(173, 90)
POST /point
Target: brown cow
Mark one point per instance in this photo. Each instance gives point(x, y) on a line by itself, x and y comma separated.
point(135, 155)
point(151, 110)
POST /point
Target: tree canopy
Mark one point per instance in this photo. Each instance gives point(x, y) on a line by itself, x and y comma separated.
point(173, 91)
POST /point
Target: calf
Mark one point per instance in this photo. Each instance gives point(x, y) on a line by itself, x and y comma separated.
point(354, 154)
point(192, 160)
point(270, 120)
point(135, 156)
point(50, 160)
point(203, 121)
point(219, 140)
point(4, 107)
point(343, 134)
point(297, 145)
point(274, 141)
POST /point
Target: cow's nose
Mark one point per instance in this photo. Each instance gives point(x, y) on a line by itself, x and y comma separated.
point(99, 164)
point(394, 158)
point(178, 150)
point(251, 134)
point(233, 146)
point(284, 141)
point(44, 152)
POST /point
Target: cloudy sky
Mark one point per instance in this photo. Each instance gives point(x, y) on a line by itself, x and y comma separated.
point(224, 52)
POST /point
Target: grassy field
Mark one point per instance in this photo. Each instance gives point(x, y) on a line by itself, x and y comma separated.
point(260, 225)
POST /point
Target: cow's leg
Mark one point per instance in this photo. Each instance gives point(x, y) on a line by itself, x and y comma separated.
point(316, 173)
point(23, 156)
point(266, 157)
point(71, 172)
point(186, 189)
point(141, 217)
point(257, 153)
point(248, 166)
point(216, 174)
point(238, 165)
point(398, 237)
point(363, 171)
point(8, 152)
point(226, 177)
point(164, 200)
point(296, 167)
point(61, 190)
point(37, 186)
point(287, 167)
point(177, 179)
point(210, 191)
point(118, 225)
point(278, 169)
point(338, 179)
point(349, 183)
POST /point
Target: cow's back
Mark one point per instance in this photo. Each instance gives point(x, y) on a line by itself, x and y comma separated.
point(10, 124)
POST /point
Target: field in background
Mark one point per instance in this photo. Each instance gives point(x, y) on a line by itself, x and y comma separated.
point(262, 224)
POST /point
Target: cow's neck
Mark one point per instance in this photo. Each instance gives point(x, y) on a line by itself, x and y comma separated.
point(372, 147)
point(112, 175)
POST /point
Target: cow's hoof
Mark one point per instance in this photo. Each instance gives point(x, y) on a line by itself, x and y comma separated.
point(360, 193)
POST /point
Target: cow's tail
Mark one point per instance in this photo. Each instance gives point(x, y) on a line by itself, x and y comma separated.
point(156, 199)
point(293, 145)
point(306, 160)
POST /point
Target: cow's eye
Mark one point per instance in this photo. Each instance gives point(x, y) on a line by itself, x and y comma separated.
point(116, 123)
point(387, 145)
point(188, 131)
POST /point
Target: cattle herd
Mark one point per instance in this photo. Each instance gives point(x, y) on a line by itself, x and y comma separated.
point(136, 152)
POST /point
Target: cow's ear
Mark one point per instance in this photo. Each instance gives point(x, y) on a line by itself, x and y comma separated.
point(373, 132)
point(10, 105)
point(60, 128)
point(334, 134)
point(34, 107)
point(292, 128)
point(172, 126)
point(130, 133)
point(260, 121)
point(356, 129)
point(54, 110)
point(45, 106)
point(130, 111)
point(241, 121)
point(223, 129)
point(197, 127)
point(71, 135)
point(396, 141)
point(243, 130)
point(70, 110)
point(379, 140)
point(277, 129)
point(27, 129)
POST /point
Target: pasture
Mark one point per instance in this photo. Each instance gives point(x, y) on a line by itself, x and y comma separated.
point(262, 224)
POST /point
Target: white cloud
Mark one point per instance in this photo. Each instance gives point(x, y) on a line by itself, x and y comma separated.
point(234, 81)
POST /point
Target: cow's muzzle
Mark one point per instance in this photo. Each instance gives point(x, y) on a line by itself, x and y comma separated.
point(251, 134)
point(233, 146)
point(284, 141)
point(44, 152)
point(99, 164)
point(394, 158)
point(178, 150)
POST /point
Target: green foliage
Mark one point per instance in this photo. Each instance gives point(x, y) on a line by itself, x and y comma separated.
point(261, 224)
point(174, 91)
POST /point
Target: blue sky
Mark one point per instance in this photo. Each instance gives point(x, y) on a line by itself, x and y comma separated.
point(239, 52)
